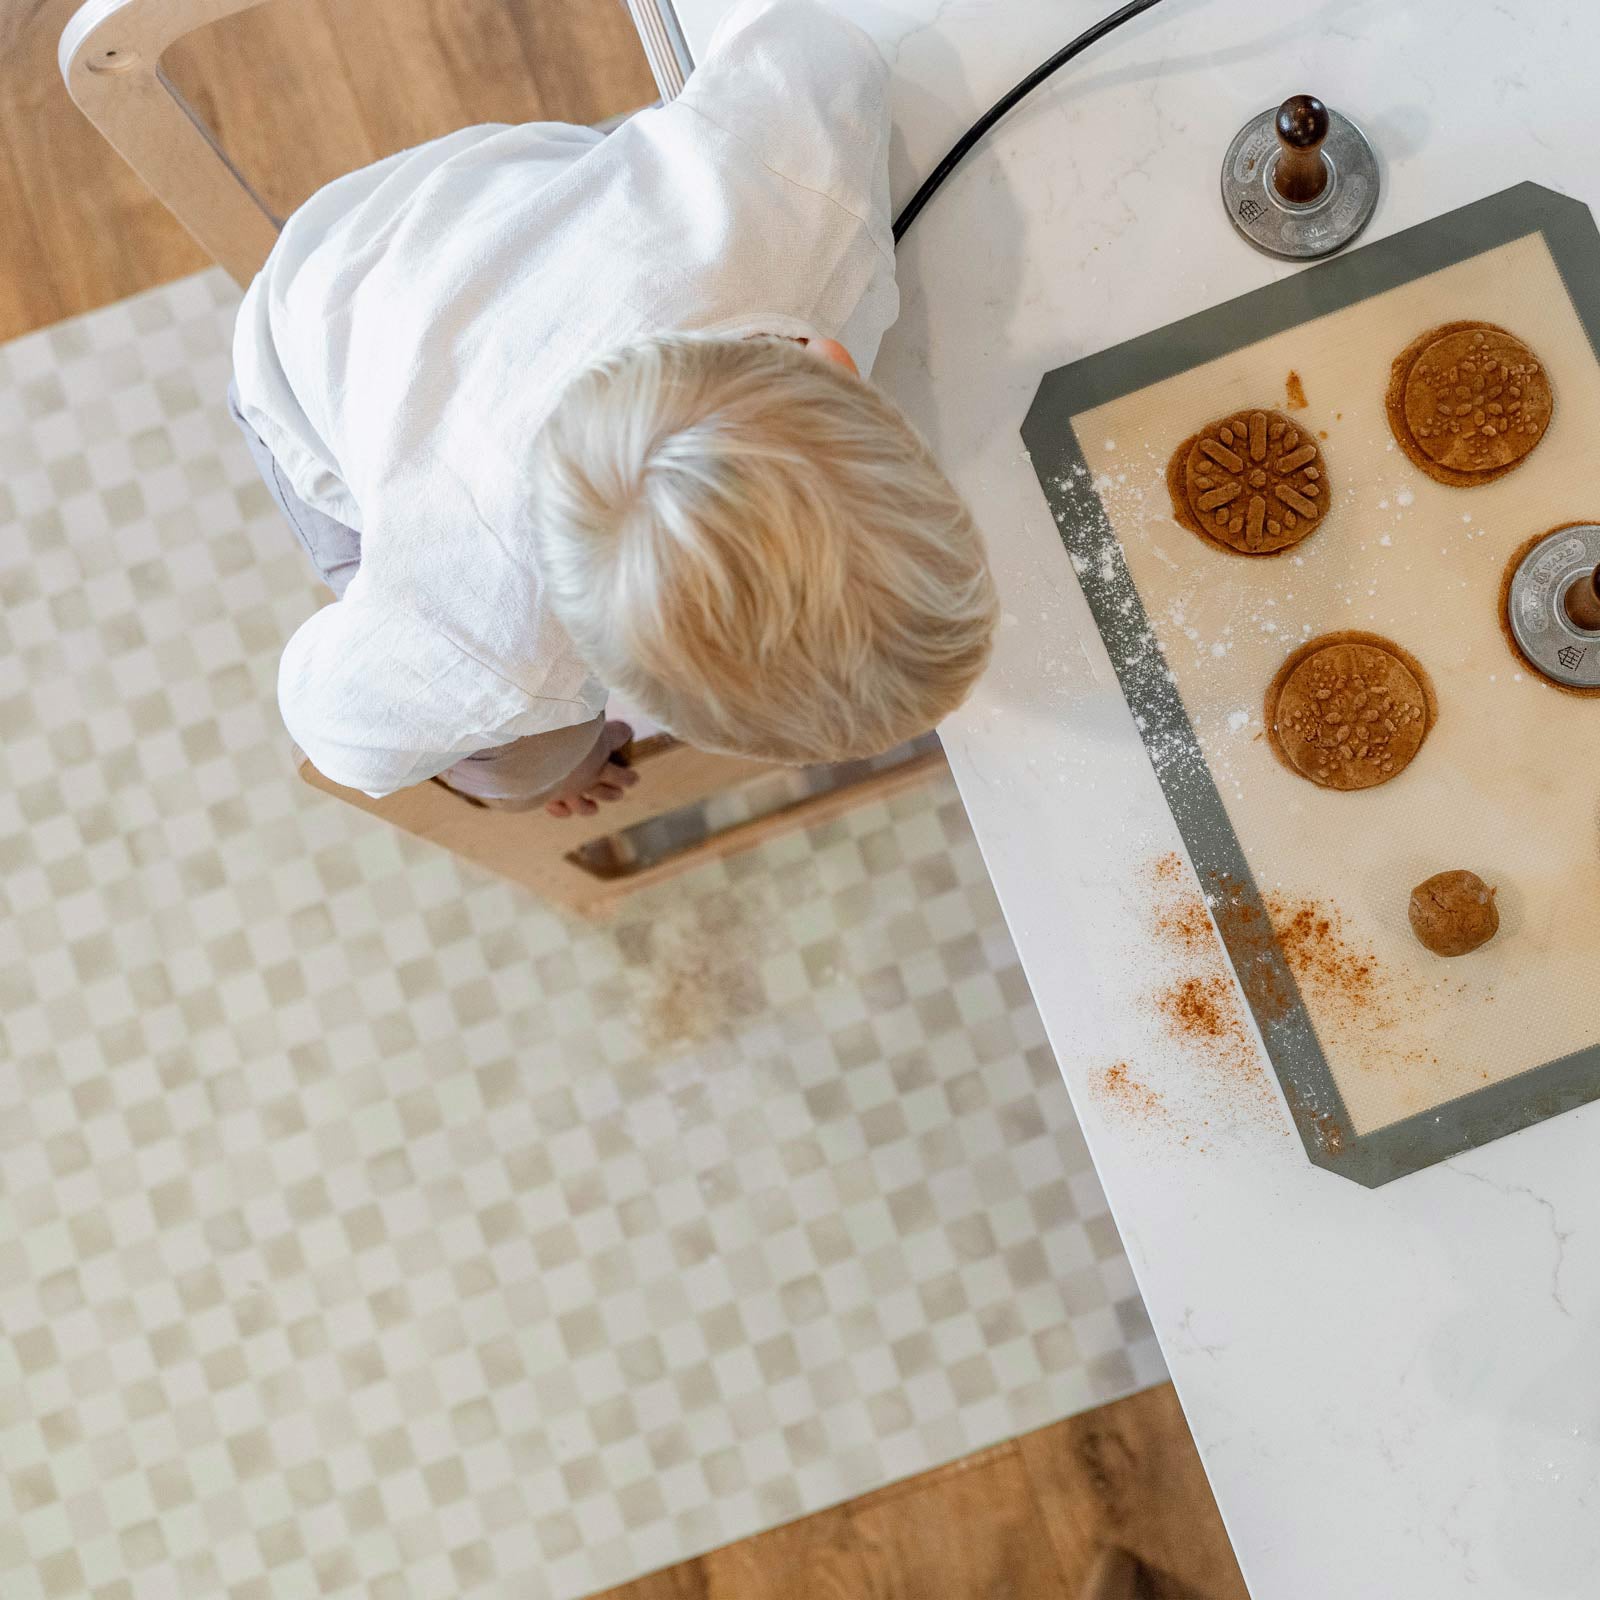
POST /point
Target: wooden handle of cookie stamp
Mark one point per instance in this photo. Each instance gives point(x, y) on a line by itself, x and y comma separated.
point(1583, 602)
point(1302, 125)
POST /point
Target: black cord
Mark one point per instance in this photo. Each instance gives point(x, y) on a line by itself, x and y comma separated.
point(964, 144)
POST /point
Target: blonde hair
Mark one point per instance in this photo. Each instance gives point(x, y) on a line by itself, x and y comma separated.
point(758, 550)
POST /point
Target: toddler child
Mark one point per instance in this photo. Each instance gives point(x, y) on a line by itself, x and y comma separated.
point(556, 412)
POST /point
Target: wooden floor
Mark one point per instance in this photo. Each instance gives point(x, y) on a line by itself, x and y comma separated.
point(299, 91)
point(1023, 1521)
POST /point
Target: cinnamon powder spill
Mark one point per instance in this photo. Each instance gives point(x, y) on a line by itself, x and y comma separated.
point(1295, 391)
point(1324, 960)
point(1279, 946)
point(1346, 988)
point(1203, 1014)
point(1168, 868)
point(1200, 1007)
point(1182, 924)
point(1117, 1086)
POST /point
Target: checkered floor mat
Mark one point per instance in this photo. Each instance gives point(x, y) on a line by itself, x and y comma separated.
point(366, 1228)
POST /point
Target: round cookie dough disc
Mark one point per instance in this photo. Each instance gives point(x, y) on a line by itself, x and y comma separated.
point(1349, 711)
point(1468, 402)
point(1253, 482)
point(1453, 913)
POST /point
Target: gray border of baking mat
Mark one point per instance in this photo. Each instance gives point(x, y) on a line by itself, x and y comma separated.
point(1151, 691)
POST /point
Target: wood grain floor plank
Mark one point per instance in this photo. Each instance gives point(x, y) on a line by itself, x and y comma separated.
point(603, 31)
point(974, 1535)
point(822, 1557)
point(1128, 1474)
point(94, 233)
point(1025, 1520)
point(685, 1582)
point(28, 297)
point(297, 92)
point(271, 86)
point(950, 1469)
point(445, 64)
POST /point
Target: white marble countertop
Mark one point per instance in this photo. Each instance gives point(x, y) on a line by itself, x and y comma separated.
point(1396, 1392)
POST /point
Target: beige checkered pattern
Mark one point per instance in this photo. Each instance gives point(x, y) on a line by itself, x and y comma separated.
point(368, 1229)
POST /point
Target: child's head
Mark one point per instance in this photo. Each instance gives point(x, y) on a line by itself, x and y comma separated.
point(755, 548)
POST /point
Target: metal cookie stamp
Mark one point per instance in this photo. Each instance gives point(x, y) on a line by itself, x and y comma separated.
point(1300, 181)
point(1553, 607)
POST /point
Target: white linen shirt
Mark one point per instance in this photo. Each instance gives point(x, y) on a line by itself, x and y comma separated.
point(418, 319)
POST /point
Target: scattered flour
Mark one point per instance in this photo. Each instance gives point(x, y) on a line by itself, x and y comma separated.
point(1386, 541)
point(1405, 498)
point(1238, 721)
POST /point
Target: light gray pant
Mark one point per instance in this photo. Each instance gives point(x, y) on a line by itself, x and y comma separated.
point(505, 775)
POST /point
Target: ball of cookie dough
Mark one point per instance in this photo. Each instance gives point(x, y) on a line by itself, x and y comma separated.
point(1453, 913)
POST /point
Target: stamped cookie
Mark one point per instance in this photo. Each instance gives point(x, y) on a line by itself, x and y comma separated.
point(1349, 710)
point(1252, 482)
point(1467, 402)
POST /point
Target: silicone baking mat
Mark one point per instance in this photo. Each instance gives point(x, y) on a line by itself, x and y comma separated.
point(1390, 1058)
